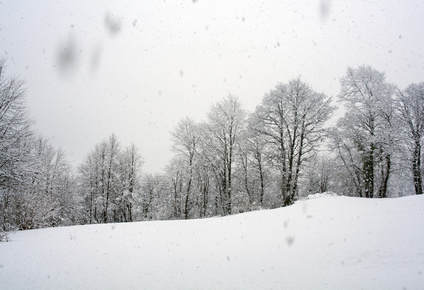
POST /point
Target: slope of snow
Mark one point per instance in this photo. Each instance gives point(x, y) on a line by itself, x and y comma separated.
point(324, 242)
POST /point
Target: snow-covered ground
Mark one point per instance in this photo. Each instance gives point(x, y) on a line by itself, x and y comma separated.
point(324, 242)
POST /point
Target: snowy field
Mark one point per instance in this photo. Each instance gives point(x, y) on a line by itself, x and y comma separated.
point(324, 242)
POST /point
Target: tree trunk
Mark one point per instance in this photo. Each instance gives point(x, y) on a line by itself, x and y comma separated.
point(177, 186)
point(130, 218)
point(416, 167)
point(243, 157)
point(298, 162)
point(368, 173)
point(283, 170)
point(385, 173)
point(229, 164)
point(205, 190)
point(261, 178)
point(187, 197)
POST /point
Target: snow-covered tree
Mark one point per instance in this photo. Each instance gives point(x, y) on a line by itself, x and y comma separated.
point(99, 183)
point(48, 195)
point(155, 201)
point(129, 187)
point(186, 139)
point(45, 196)
point(225, 122)
point(365, 136)
point(35, 179)
point(15, 131)
point(411, 106)
point(254, 167)
point(292, 117)
point(174, 172)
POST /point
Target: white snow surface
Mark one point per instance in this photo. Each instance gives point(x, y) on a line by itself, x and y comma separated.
point(323, 242)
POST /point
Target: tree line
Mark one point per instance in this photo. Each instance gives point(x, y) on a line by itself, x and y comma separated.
point(234, 161)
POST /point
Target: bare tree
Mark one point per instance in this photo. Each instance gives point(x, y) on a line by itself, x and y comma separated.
point(365, 136)
point(292, 117)
point(129, 174)
point(185, 142)
point(411, 106)
point(156, 198)
point(176, 179)
point(253, 165)
point(344, 145)
point(89, 186)
point(44, 196)
point(112, 151)
point(48, 193)
point(203, 181)
point(15, 131)
point(225, 124)
point(98, 180)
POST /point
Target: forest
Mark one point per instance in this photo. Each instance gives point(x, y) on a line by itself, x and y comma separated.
point(235, 161)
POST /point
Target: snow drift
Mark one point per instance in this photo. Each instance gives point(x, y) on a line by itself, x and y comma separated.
point(323, 242)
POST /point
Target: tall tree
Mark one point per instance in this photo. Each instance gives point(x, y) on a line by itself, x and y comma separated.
point(254, 167)
point(176, 179)
point(185, 142)
point(89, 186)
point(44, 196)
point(15, 131)
point(48, 194)
point(365, 135)
point(292, 116)
point(109, 190)
point(129, 174)
point(98, 181)
point(156, 198)
point(224, 126)
point(411, 106)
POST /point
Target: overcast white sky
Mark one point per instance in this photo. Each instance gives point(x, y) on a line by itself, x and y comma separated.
point(135, 68)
